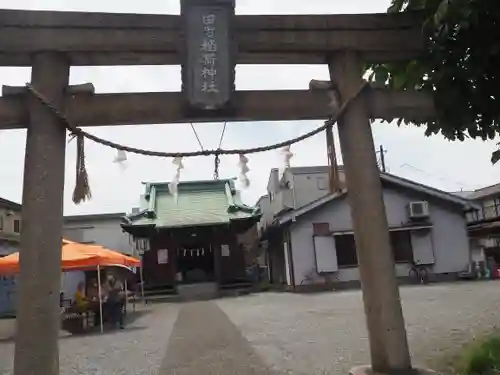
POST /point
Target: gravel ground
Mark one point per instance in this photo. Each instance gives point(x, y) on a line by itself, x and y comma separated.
point(139, 349)
point(273, 333)
point(326, 334)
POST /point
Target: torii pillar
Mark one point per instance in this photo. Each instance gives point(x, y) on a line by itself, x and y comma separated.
point(384, 316)
point(38, 320)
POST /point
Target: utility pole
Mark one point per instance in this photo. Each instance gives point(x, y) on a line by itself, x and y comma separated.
point(382, 152)
point(333, 171)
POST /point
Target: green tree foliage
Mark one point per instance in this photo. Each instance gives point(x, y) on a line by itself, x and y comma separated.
point(461, 67)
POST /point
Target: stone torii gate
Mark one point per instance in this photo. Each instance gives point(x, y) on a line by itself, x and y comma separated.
point(208, 40)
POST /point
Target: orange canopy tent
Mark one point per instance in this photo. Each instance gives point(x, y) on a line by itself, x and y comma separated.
point(71, 258)
point(108, 257)
point(77, 256)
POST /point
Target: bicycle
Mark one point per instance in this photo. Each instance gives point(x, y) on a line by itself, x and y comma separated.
point(419, 273)
point(314, 278)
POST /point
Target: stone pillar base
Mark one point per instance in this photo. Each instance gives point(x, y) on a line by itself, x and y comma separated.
point(367, 370)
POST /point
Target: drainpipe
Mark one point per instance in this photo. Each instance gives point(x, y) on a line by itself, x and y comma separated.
point(152, 200)
point(229, 195)
point(291, 264)
point(293, 193)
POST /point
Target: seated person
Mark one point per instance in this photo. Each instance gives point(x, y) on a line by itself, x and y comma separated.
point(115, 300)
point(93, 298)
point(93, 291)
point(81, 301)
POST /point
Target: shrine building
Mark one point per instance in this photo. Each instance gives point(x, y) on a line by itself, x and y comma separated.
point(191, 237)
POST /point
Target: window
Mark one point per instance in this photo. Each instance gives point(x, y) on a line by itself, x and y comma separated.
point(321, 229)
point(225, 251)
point(490, 209)
point(400, 243)
point(472, 216)
point(401, 246)
point(1, 222)
point(346, 250)
point(322, 183)
point(17, 226)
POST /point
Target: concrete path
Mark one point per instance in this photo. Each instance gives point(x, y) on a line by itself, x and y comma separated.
point(205, 341)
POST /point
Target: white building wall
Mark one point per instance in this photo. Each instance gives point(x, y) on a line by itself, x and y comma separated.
point(107, 233)
point(449, 234)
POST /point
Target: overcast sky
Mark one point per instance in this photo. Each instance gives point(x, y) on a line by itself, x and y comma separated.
point(432, 161)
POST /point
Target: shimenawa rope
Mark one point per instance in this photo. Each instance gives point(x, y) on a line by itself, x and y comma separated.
point(82, 188)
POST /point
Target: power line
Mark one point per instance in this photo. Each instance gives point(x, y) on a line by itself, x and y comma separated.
point(458, 183)
point(381, 162)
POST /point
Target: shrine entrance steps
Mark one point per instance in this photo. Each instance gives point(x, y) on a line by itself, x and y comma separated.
point(198, 291)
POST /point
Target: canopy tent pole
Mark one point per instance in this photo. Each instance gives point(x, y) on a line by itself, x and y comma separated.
point(142, 283)
point(61, 293)
point(100, 296)
point(126, 295)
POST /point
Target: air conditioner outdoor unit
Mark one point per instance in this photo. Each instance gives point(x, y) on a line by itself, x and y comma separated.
point(419, 210)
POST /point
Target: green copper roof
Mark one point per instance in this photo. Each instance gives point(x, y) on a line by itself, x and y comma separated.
point(198, 203)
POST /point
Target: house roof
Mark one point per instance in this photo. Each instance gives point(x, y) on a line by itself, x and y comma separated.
point(10, 204)
point(485, 192)
point(262, 198)
point(94, 217)
point(463, 193)
point(199, 203)
point(10, 237)
point(319, 169)
point(388, 178)
point(309, 170)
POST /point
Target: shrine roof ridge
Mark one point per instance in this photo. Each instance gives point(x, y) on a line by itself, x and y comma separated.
point(191, 182)
point(211, 184)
